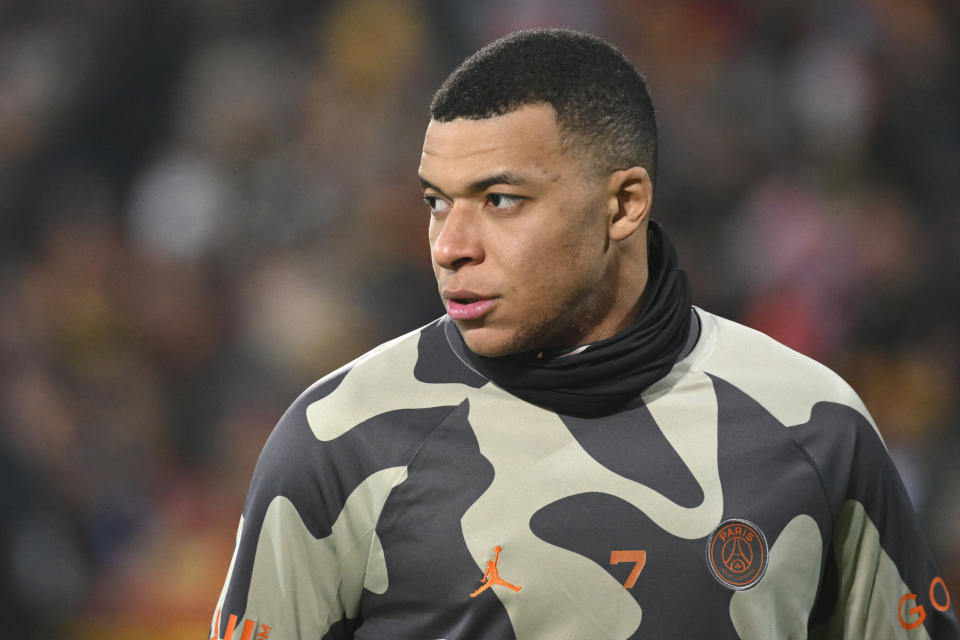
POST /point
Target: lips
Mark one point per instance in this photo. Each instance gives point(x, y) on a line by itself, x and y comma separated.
point(467, 305)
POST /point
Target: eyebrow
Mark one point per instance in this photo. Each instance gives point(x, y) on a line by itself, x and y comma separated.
point(503, 177)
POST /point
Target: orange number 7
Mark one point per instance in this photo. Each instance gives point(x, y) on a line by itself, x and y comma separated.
point(637, 556)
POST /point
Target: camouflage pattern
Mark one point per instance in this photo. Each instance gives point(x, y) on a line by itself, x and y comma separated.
point(379, 500)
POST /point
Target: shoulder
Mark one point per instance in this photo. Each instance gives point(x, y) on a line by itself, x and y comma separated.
point(378, 367)
point(368, 415)
point(785, 382)
point(417, 370)
point(392, 393)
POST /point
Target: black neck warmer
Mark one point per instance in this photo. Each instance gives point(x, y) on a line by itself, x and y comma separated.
point(606, 375)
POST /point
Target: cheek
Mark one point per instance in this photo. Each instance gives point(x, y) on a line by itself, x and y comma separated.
point(552, 268)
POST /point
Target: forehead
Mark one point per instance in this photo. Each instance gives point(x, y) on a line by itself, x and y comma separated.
point(525, 140)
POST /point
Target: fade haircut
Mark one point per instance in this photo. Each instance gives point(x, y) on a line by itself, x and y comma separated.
point(601, 101)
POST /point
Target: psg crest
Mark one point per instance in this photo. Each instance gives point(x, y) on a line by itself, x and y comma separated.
point(737, 554)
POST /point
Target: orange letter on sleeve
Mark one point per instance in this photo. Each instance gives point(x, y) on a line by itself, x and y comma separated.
point(933, 598)
point(919, 610)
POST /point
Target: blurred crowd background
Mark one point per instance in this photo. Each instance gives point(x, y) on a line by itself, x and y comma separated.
point(205, 205)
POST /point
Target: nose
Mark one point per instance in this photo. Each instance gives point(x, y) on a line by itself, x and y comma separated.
point(456, 239)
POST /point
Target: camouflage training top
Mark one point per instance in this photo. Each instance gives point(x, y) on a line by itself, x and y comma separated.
point(746, 495)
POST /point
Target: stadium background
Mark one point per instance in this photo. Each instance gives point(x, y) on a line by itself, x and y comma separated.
point(207, 204)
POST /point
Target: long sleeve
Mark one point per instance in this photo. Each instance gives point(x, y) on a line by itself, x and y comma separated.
point(883, 583)
point(305, 542)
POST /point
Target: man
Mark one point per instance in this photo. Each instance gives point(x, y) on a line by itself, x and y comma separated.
point(573, 451)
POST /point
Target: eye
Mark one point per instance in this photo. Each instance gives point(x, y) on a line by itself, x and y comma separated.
point(503, 201)
point(436, 204)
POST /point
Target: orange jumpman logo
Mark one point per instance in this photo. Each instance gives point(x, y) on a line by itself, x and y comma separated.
point(492, 576)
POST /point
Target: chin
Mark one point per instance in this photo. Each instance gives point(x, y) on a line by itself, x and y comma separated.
point(498, 342)
point(490, 343)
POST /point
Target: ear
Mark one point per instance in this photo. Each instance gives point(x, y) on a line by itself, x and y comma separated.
point(631, 197)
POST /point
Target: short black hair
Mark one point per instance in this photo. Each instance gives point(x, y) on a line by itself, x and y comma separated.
point(602, 104)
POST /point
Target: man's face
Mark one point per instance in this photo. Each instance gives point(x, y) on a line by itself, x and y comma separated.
point(518, 233)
